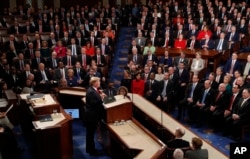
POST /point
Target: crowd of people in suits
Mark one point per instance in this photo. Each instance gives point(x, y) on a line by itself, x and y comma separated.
point(174, 82)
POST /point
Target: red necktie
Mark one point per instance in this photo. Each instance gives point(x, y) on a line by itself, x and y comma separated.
point(231, 102)
point(166, 44)
point(218, 96)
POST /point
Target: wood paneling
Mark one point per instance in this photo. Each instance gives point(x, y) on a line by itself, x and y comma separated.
point(4, 4)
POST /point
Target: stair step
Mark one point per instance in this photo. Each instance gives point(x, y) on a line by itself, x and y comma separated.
point(123, 59)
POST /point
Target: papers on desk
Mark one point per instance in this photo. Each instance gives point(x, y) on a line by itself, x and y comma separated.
point(3, 102)
point(55, 120)
point(119, 100)
point(47, 100)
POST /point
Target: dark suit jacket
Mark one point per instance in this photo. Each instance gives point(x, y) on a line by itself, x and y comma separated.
point(190, 33)
point(66, 42)
point(34, 64)
point(27, 54)
point(138, 61)
point(237, 66)
point(50, 63)
point(163, 42)
point(243, 111)
point(17, 64)
point(110, 91)
point(209, 97)
point(138, 49)
point(145, 59)
point(210, 44)
point(81, 74)
point(224, 44)
point(39, 77)
point(80, 43)
point(96, 42)
point(106, 49)
point(197, 154)
point(24, 29)
point(178, 143)
point(221, 102)
point(235, 38)
point(169, 88)
point(154, 88)
point(196, 43)
point(94, 106)
point(58, 75)
point(65, 60)
point(103, 60)
point(23, 45)
point(78, 49)
point(183, 77)
point(196, 93)
point(88, 59)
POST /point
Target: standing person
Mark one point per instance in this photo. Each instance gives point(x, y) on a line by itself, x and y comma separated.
point(94, 112)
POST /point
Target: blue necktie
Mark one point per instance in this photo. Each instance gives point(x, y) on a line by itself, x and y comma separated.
point(192, 91)
point(204, 96)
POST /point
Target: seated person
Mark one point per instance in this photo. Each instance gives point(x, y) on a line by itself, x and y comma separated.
point(122, 90)
point(150, 47)
point(196, 152)
point(28, 88)
point(197, 64)
point(4, 120)
point(71, 79)
point(178, 154)
point(110, 91)
point(166, 61)
point(180, 43)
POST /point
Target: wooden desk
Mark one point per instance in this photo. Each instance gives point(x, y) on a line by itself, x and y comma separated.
point(131, 137)
point(54, 139)
point(76, 91)
point(243, 56)
point(205, 54)
point(119, 110)
point(164, 121)
point(135, 137)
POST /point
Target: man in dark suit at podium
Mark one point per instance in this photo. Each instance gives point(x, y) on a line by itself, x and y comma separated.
point(94, 112)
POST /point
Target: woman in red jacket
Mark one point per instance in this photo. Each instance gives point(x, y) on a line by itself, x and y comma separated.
point(204, 32)
point(180, 43)
point(137, 85)
point(90, 50)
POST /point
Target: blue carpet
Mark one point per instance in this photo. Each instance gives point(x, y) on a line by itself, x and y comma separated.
point(79, 144)
point(125, 36)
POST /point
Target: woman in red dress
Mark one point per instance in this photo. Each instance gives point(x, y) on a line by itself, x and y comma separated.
point(90, 50)
point(204, 32)
point(137, 85)
point(60, 49)
point(180, 43)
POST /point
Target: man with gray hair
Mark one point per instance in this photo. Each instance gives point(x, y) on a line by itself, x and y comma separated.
point(178, 142)
point(178, 154)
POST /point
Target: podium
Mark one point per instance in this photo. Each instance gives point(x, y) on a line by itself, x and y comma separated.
point(128, 138)
point(52, 139)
